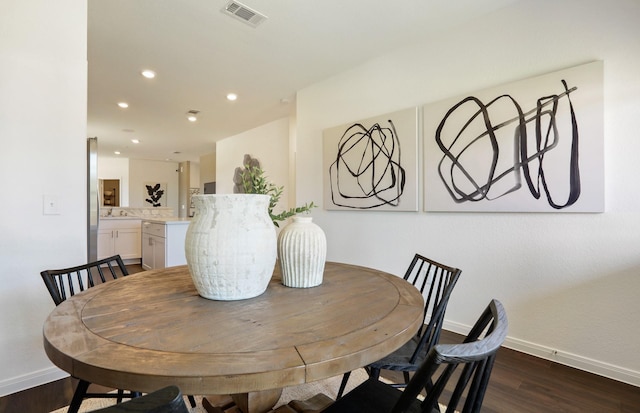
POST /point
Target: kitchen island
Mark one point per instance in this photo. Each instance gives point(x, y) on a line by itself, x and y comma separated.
point(163, 242)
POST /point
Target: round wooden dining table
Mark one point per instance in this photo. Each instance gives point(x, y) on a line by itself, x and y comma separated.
point(152, 329)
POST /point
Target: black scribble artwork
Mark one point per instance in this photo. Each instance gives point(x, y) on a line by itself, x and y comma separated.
point(367, 172)
point(485, 182)
point(154, 195)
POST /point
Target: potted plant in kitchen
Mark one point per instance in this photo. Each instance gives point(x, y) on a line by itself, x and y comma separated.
point(302, 245)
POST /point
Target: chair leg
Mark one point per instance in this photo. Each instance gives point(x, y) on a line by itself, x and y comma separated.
point(120, 396)
point(374, 373)
point(343, 384)
point(406, 377)
point(81, 390)
point(192, 401)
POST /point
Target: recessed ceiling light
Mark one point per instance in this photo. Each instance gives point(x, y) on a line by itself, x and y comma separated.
point(149, 74)
point(135, 140)
point(232, 96)
point(123, 105)
point(116, 152)
point(192, 115)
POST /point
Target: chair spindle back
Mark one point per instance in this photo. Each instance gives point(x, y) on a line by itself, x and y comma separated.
point(66, 282)
point(436, 282)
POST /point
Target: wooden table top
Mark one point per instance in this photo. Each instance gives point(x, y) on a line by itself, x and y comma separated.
point(152, 329)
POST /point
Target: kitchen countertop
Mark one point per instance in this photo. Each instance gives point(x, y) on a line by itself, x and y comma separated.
point(167, 220)
point(118, 217)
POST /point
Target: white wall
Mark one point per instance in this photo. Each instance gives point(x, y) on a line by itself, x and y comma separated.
point(268, 143)
point(569, 282)
point(43, 77)
point(207, 169)
point(142, 172)
point(116, 168)
point(194, 175)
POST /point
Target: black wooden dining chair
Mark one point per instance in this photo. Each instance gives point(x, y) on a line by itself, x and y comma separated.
point(436, 282)
point(165, 400)
point(65, 283)
point(473, 359)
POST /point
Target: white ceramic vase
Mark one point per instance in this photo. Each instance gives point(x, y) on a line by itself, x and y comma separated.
point(302, 251)
point(230, 246)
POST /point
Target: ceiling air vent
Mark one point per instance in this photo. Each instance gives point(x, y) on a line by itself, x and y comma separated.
point(244, 13)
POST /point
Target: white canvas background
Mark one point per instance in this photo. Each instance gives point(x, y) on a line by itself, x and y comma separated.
point(476, 158)
point(406, 154)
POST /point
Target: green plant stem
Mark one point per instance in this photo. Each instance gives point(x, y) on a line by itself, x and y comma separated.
point(254, 182)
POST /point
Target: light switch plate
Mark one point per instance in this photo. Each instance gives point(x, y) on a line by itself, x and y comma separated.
point(50, 205)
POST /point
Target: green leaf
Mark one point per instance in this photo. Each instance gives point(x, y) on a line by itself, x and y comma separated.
point(254, 182)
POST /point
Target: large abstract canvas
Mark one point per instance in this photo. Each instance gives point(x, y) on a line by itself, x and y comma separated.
point(372, 164)
point(534, 145)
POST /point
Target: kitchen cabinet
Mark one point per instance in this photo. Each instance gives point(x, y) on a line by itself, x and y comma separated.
point(120, 236)
point(153, 251)
point(163, 242)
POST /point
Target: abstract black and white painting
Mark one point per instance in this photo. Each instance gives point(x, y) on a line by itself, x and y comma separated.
point(371, 164)
point(534, 145)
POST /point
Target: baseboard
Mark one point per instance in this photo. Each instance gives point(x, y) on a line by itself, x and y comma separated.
point(33, 379)
point(568, 359)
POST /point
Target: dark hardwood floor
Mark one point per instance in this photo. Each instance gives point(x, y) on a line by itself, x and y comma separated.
point(134, 268)
point(526, 384)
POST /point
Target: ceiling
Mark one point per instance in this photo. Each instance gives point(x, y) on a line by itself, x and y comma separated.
point(201, 54)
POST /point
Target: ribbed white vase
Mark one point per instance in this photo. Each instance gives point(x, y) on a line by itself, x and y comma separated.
point(302, 250)
point(230, 246)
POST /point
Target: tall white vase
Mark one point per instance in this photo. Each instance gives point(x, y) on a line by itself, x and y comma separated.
point(230, 246)
point(302, 249)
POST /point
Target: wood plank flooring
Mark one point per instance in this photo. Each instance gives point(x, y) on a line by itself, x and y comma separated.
point(527, 384)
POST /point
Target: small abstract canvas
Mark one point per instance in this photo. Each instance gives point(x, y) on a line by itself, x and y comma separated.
point(371, 164)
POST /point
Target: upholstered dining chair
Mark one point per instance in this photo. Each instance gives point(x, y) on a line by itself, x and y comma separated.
point(473, 359)
point(165, 400)
point(436, 282)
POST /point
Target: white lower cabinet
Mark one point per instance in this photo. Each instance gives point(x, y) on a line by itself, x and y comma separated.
point(163, 244)
point(120, 236)
point(153, 251)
